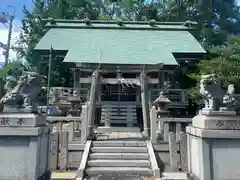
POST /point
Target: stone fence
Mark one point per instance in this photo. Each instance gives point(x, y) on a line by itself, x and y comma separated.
point(160, 127)
point(178, 152)
point(169, 139)
point(65, 154)
point(67, 142)
point(175, 125)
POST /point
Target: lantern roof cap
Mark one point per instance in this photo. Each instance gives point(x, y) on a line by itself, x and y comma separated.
point(161, 99)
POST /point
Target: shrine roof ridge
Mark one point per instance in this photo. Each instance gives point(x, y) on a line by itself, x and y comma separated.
point(116, 24)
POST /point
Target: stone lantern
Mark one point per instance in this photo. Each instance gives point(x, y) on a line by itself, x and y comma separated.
point(161, 104)
point(76, 100)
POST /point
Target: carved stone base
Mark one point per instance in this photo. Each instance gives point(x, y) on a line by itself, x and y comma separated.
point(22, 120)
point(24, 152)
point(217, 120)
point(208, 148)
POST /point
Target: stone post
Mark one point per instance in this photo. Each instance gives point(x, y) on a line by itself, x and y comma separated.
point(154, 126)
point(214, 145)
point(183, 97)
point(25, 147)
point(145, 105)
point(84, 124)
point(92, 103)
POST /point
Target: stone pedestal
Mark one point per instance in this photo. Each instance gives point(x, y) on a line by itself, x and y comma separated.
point(214, 146)
point(24, 147)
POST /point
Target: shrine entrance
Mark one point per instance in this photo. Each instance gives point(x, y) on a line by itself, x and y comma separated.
point(119, 107)
point(118, 93)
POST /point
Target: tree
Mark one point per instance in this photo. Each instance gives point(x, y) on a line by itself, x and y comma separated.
point(218, 19)
point(33, 30)
point(15, 68)
point(223, 60)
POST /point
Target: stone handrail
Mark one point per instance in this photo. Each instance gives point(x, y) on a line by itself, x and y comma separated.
point(83, 164)
point(154, 165)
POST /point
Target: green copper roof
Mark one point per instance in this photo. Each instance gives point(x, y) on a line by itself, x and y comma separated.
point(108, 43)
point(118, 56)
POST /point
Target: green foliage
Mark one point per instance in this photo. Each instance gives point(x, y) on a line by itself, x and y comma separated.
point(223, 60)
point(14, 68)
point(33, 31)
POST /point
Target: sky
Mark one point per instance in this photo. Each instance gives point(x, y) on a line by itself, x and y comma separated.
point(7, 7)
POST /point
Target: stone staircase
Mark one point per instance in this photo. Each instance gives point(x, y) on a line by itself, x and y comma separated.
point(121, 158)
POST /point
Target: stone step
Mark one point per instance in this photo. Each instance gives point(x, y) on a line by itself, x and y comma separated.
point(174, 176)
point(101, 130)
point(118, 163)
point(119, 143)
point(126, 156)
point(91, 171)
point(119, 150)
point(63, 175)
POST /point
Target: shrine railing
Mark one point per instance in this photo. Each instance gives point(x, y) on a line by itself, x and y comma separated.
point(65, 92)
point(177, 96)
point(174, 125)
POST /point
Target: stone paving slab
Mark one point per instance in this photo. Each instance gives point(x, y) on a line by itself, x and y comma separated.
point(121, 177)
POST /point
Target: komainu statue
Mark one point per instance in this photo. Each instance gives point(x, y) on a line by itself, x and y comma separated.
point(214, 96)
point(21, 94)
point(230, 100)
point(30, 90)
